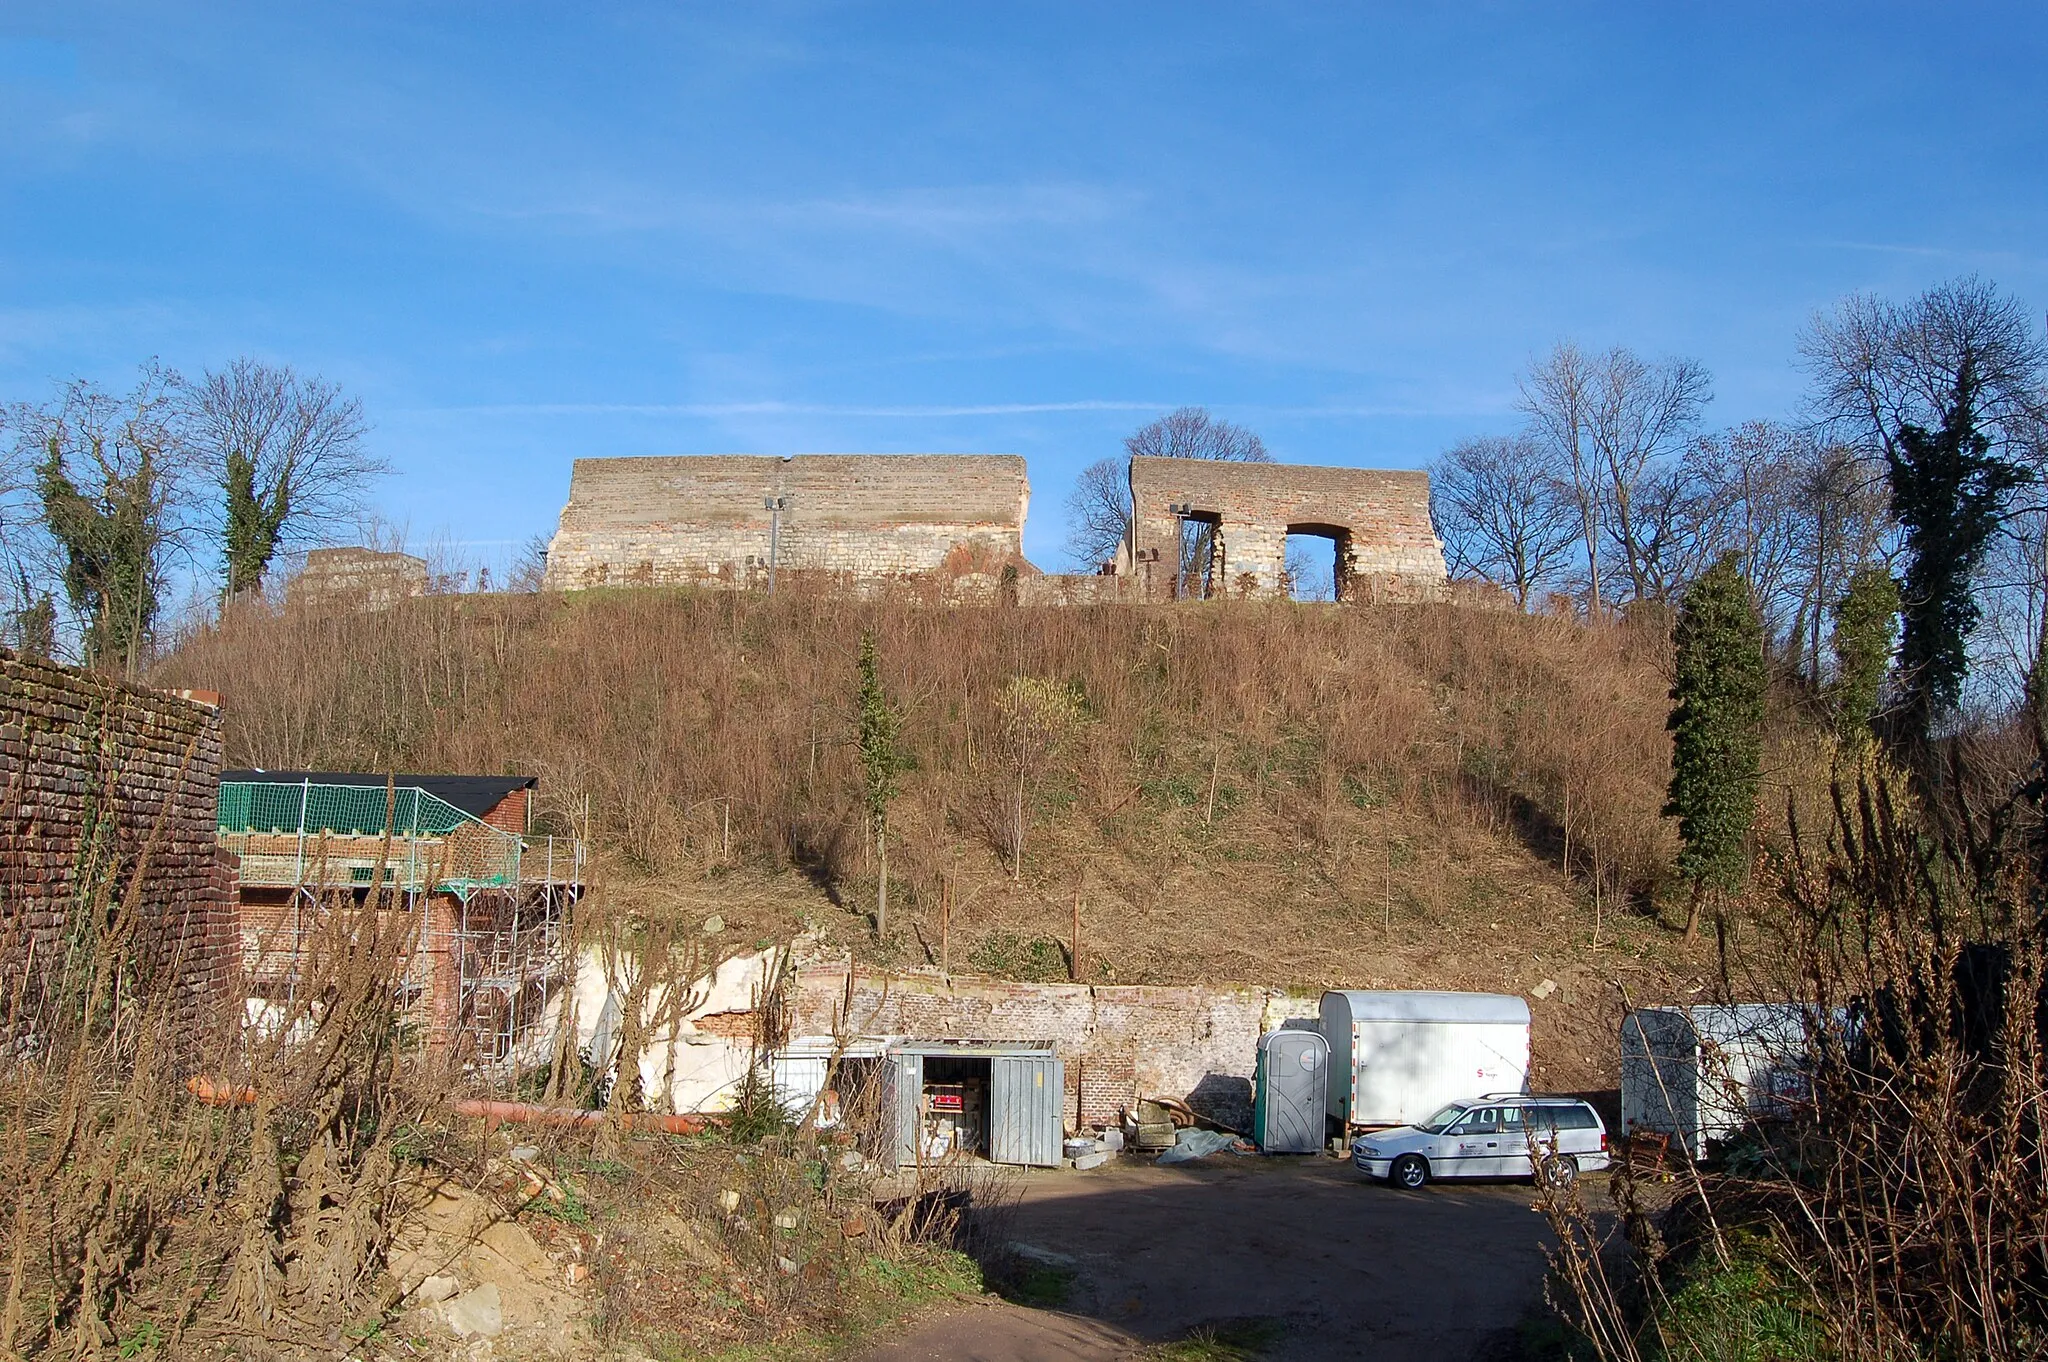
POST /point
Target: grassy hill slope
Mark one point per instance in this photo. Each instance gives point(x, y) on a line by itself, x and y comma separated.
point(1298, 795)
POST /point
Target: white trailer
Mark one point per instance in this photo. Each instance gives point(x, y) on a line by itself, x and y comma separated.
point(1701, 1074)
point(1398, 1056)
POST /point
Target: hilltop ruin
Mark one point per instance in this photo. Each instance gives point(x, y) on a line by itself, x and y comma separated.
point(864, 520)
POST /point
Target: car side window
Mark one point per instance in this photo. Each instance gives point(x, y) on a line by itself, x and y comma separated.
point(1511, 1120)
point(1482, 1122)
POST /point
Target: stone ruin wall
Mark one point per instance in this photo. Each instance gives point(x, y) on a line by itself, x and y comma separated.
point(79, 751)
point(1380, 516)
point(356, 578)
point(699, 520)
point(958, 520)
point(1118, 1042)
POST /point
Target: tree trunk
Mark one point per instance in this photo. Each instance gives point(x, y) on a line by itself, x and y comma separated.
point(882, 889)
point(1692, 912)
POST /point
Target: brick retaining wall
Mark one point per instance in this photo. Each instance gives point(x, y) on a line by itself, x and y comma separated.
point(77, 752)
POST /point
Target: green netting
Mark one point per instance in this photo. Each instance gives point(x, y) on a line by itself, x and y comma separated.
point(251, 806)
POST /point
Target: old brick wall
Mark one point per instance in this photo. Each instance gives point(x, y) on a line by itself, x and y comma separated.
point(700, 520)
point(79, 753)
point(1379, 519)
point(1118, 1042)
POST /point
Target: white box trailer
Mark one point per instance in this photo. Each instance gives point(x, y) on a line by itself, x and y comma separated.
point(1396, 1056)
point(1701, 1074)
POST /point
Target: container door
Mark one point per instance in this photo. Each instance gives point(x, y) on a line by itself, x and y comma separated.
point(902, 1086)
point(1026, 1103)
point(1292, 1084)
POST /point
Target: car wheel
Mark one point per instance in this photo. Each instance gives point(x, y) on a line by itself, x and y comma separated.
point(1410, 1171)
point(1559, 1171)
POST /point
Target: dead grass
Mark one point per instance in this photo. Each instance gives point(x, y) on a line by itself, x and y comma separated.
point(1303, 795)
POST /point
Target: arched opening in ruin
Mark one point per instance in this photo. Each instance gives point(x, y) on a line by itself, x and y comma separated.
point(1317, 561)
point(1203, 568)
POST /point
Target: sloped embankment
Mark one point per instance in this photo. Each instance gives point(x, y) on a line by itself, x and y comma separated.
point(1296, 795)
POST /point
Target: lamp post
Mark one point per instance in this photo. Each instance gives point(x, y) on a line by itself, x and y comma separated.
point(775, 506)
point(1180, 510)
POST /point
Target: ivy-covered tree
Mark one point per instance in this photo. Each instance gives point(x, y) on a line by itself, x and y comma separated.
point(877, 732)
point(107, 476)
point(1949, 493)
point(1866, 634)
point(1717, 716)
point(288, 453)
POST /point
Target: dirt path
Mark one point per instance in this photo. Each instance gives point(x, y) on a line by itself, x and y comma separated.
point(1342, 1268)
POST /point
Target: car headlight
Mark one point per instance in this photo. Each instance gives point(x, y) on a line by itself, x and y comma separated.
point(1367, 1151)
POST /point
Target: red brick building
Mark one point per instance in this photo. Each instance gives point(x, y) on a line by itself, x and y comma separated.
point(481, 902)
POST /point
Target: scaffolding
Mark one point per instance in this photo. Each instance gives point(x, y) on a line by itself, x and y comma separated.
point(490, 908)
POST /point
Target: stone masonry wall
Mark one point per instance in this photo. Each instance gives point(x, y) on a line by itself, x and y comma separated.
point(356, 578)
point(1379, 519)
point(79, 752)
point(871, 518)
point(1118, 1043)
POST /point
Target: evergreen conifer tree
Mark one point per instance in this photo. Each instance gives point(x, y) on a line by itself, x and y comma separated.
point(1866, 632)
point(877, 727)
point(1716, 727)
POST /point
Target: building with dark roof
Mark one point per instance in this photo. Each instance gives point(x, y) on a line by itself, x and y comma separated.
point(449, 861)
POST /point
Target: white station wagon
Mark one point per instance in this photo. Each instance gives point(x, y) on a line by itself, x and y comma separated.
point(1489, 1137)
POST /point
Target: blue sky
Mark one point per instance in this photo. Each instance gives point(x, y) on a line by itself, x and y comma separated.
point(527, 233)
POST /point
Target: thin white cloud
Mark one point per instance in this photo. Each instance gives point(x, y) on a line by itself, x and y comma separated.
point(721, 410)
point(728, 409)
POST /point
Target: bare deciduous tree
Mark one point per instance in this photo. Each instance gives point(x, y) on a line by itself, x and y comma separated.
point(288, 453)
point(1558, 394)
point(1098, 512)
point(1506, 511)
point(1640, 413)
point(1878, 366)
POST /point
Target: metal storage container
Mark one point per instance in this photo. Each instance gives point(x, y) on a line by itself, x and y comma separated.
point(1023, 1120)
point(1398, 1055)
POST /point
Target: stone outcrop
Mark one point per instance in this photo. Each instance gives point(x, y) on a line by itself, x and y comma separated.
point(864, 519)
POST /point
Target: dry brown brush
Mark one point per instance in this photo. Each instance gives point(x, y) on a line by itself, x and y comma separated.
point(1905, 1196)
point(1344, 757)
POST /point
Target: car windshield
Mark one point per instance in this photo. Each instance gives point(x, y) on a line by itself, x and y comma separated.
point(1443, 1120)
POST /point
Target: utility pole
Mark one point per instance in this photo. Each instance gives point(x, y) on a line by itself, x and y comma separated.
point(775, 506)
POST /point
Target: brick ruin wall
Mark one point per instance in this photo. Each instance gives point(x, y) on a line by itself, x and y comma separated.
point(80, 753)
point(1118, 1043)
point(1377, 518)
point(863, 518)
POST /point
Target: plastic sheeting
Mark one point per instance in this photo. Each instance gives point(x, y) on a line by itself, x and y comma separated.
point(1196, 1144)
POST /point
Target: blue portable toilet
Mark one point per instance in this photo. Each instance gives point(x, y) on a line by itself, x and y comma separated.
point(1290, 1092)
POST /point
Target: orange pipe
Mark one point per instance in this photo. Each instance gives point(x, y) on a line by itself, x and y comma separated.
point(219, 1094)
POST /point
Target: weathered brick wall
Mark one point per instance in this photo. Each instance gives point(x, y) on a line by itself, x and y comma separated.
point(79, 753)
point(1379, 518)
point(512, 813)
point(1118, 1042)
point(700, 520)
